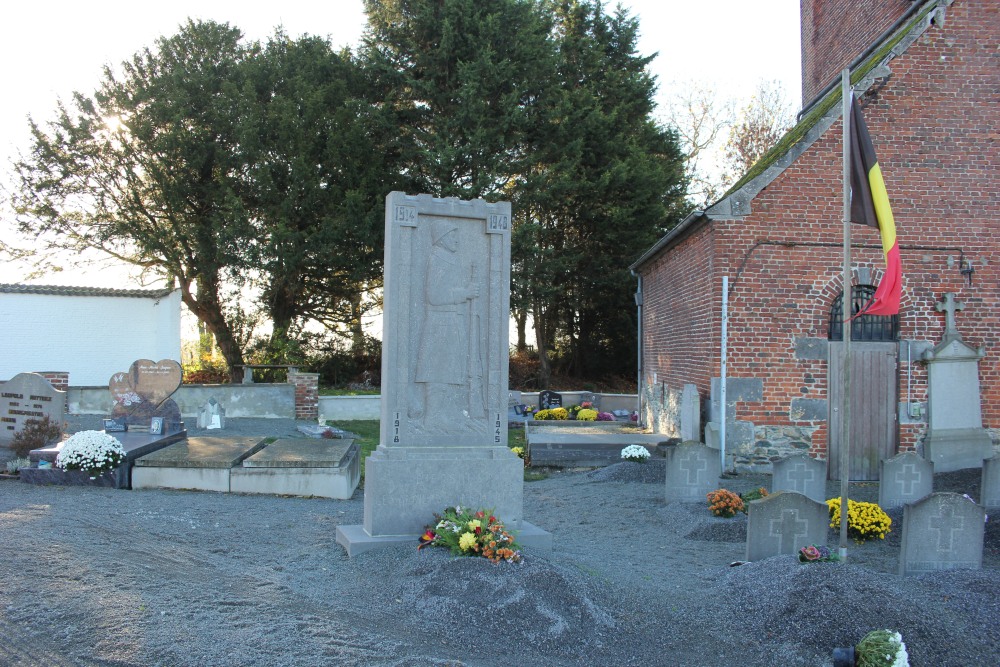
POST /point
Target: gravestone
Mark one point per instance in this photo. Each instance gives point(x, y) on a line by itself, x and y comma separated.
point(783, 523)
point(444, 373)
point(690, 414)
point(144, 391)
point(516, 411)
point(989, 491)
point(905, 478)
point(693, 471)
point(549, 399)
point(944, 531)
point(28, 396)
point(955, 436)
point(802, 474)
point(212, 415)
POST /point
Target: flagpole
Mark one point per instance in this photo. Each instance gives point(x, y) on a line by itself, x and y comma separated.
point(845, 419)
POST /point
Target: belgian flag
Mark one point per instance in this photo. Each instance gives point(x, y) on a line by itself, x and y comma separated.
point(870, 206)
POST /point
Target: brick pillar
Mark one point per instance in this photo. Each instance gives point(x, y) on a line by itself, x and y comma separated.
point(58, 379)
point(306, 394)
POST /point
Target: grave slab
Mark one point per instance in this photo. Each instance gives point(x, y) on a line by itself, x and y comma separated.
point(301, 467)
point(802, 474)
point(783, 523)
point(135, 444)
point(905, 478)
point(201, 463)
point(943, 531)
point(693, 471)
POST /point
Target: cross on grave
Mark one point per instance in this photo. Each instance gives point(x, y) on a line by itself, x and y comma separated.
point(788, 529)
point(799, 475)
point(906, 477)
point(694, 465)
point(945, 524)
point(948, 305)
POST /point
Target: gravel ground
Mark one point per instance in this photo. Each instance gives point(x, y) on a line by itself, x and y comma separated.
point(105, 577)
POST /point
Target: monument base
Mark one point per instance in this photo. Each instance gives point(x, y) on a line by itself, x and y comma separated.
point(956, 449)
point(406, 486)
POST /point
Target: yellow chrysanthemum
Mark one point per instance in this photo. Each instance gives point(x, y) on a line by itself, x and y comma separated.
point(467, 541)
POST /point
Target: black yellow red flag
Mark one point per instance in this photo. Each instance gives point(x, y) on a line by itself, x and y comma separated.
point(870, 206)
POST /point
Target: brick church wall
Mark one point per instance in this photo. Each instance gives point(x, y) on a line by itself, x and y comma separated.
point(934, 127)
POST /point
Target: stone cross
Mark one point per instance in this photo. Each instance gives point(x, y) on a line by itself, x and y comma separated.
point(694, 465)
point(948, 305)
point(788, 528)
point(906, 477)
point(945, 524)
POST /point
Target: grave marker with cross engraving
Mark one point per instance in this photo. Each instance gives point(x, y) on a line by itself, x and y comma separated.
point(906, 478)
point(692, 472)
point(783, 523)
point(802, 474)
point(943, 531)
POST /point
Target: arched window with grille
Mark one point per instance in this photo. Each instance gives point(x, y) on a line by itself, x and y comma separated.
point(874, 328)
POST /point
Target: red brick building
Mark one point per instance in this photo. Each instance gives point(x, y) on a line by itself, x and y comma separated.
point(928, 77)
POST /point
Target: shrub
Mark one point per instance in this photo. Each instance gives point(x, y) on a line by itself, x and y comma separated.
point(754, 494)
point(36, 434)
point(14, 466)
point(587, 415)
point(864, 520)
point(724, 503)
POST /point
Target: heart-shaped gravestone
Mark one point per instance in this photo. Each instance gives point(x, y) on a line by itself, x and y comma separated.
point(146, 381)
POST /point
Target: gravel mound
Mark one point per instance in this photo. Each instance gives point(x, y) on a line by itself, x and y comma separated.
point(134, 578)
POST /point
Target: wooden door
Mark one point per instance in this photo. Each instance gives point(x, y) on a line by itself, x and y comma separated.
point(874, 394)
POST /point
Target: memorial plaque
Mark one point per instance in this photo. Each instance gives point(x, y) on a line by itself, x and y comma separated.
point(144, 391)
point(28, 396)
point(944, 531)
point(783, 523)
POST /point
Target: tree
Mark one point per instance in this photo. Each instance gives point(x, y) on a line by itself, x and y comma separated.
point(763, 121)
point(148, 170)
point(463, 78)
point(320, 159)
point(604, 184)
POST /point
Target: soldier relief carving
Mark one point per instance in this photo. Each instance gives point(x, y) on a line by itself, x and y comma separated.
point(448, 392)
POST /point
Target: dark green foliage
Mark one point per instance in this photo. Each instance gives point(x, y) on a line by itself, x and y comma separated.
point(36, 434)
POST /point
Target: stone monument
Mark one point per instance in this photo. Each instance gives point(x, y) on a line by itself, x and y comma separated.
point(905, 478)
point(444, 373)
point(955, 436)
point(943, 531)
point(144, 392)
point(802, 474)
point(26, 397)
point(783, 523)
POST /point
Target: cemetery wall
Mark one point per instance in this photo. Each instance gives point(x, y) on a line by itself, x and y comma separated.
point(269, 401)
point(833, 33)
point(89, 333)
point(935, 140)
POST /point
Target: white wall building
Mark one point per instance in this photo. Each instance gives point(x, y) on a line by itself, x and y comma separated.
point(89, 332)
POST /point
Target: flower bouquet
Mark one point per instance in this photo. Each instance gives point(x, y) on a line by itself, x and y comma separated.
point(605, 417)
point(471, 533)
point(92, 452)
point(636, 453)
point(724, 503)
point(587, 415)
point(817, 554)
point(881, 648)
point(864, 520)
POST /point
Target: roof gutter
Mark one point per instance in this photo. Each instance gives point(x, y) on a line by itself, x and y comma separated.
point(679, 229)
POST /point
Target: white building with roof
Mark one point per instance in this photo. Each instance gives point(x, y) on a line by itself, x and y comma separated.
point(91, 333)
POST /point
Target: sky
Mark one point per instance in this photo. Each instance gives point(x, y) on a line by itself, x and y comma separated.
point(49, 49)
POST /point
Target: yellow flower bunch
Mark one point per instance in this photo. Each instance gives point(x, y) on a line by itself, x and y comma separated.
point(724, 503)
point(864, 520)
point(543, 415)
point(587, 415)
point(559, 413)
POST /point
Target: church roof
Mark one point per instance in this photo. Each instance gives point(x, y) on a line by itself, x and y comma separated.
point(814, 120)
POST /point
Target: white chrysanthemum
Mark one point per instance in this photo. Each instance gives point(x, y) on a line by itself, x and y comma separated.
point(90, 451)
point(635, 453)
